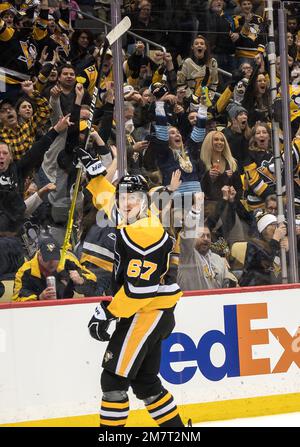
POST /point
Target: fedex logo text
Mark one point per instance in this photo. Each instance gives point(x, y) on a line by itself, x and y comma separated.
point(237, 340)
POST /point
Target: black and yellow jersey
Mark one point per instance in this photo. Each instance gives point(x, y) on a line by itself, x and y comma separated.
point(58, 40)
point(88, 77)
point(142, 255)
point(5, 6)
point(251, 40)
point(103, 194)
point(133, 78)
point(98, 246)
point(296, 168)
point(260, 177)
point(30, 283)
point(18, 50)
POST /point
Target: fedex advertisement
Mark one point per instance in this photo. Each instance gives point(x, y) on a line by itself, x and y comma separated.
point(243, 339)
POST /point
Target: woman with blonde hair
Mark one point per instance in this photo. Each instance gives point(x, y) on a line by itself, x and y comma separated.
point(221, 167)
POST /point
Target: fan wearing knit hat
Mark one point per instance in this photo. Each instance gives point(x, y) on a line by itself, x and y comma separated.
point(235, 109)
point(262, 261)
point(264, 221)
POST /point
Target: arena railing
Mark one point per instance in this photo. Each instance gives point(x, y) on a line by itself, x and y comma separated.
point(148, 42)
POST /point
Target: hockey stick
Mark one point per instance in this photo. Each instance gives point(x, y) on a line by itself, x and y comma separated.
point(109, 40)
point(111, 37)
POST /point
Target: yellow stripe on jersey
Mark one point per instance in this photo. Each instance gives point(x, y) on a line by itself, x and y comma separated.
point(113, 423)
point(163, 302)
point(254, 180)
point(6, 33)
point(105, 265)
point(141, 327)
point(159, 402)
point(23, 299)
point(176, 249)
point(224, 99)
point(9, 80)
point(167, 417)
point(157, 77)
point(174, 260)
point(123, 306)
point(4, 6)
point(250, 53)
point(119, 405)
point(18, 285)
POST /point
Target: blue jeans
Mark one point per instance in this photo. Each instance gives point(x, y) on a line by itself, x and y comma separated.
point(41, 179)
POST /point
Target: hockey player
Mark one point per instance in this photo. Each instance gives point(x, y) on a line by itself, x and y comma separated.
point(142, 305)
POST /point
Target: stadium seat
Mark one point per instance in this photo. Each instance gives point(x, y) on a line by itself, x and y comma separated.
point(8, 292)
point(238, 253)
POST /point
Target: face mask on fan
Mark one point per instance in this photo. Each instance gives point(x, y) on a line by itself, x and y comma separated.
point(129, 126)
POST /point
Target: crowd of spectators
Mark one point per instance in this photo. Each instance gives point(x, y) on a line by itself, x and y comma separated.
point(193, 131)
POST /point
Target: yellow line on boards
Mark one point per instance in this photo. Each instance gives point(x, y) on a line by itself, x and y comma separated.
point(208, 411)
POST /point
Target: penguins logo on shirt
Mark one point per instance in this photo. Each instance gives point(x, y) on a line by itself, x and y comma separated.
point(29, 54)
point(6, 181)
point(295, 97)
point(250, 31)
point(267, 170)
point(63, 43)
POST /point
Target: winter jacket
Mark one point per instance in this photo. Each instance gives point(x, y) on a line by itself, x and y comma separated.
point(262, 264)
point(12, 205)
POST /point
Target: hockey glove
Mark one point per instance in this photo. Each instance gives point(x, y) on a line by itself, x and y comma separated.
point(100, 322)
point(93, 166)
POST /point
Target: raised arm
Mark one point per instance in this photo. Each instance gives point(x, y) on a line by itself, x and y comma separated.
point(34, 156)
point(192, 224)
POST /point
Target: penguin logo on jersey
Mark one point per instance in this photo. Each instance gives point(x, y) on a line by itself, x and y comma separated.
point(7, 181)
point(29, 54)
point(108, 356)
point(295, 97)
point(267, 170)
point(63, 43)
point(276, 268)
point(251, 31)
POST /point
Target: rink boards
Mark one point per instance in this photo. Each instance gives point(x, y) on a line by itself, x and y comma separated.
point(232, 354)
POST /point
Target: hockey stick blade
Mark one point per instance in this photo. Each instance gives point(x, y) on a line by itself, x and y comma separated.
point(118, 30)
